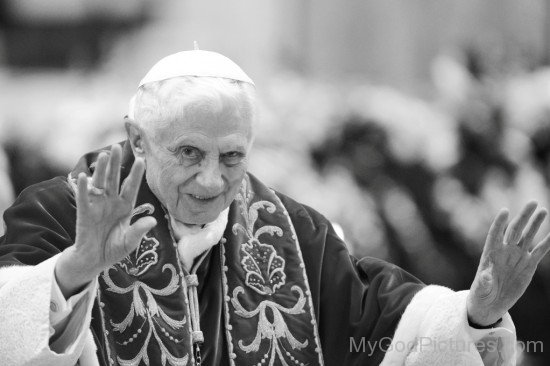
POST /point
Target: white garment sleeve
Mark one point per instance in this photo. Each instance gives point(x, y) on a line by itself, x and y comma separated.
point(27, 305)
point(66, 316)
point(434, 331)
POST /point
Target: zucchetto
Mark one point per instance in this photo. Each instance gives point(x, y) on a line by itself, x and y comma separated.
point(195, 63)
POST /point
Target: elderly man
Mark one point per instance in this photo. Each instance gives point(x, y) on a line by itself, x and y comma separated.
point(198, 262)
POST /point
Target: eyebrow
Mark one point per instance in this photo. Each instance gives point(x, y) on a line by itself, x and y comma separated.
point(235, 143)
point(183, 141)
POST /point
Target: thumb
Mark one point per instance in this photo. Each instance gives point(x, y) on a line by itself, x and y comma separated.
point(138, 229)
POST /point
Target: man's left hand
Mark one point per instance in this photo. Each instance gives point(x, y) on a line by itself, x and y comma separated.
point(507, 264)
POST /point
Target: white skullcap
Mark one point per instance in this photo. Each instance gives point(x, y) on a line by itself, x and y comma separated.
point(195, 63)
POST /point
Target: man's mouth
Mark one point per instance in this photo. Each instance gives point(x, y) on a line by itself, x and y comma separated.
point(203, 198)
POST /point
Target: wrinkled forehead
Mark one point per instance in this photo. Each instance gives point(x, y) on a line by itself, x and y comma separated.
point(219, 117)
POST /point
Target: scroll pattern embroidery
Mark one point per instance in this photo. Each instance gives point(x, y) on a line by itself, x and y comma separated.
point(145, 256)
point(265, 275)
point(150, 313)
point(271, 330)
point(136, 264)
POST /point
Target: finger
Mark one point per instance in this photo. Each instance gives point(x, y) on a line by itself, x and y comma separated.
point(496, 231)
point(515, 229)
point(532, 229)
point(82, 191)
point(131, 184)
point(98, 179)
point(113, 171)
point(540, 250)
point(137, 230)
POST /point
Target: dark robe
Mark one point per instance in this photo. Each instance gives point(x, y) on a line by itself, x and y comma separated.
point(353, 300)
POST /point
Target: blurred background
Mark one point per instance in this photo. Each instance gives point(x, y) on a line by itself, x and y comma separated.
point(408, 124)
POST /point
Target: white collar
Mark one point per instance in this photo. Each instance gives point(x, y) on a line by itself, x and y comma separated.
point(195, 240)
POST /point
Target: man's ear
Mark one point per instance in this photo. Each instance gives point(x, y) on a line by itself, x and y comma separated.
point(135, 136)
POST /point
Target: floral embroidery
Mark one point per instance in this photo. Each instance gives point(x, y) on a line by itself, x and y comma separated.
point(264, 268)
point(152, 314)
point(140, 260)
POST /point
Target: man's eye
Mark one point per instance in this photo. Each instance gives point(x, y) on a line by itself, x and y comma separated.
point(232, 158)
point(190, 152)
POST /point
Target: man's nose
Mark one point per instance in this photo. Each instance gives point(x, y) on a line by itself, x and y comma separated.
point(210, 176)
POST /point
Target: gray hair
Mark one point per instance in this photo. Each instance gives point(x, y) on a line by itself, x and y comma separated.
point(164, 101)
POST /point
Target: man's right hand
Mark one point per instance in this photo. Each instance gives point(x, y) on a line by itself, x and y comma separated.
point(104, 235)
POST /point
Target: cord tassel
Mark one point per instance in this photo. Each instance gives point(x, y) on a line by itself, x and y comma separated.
point(192, 283)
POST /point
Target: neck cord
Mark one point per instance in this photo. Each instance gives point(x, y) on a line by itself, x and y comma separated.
point(192, 283)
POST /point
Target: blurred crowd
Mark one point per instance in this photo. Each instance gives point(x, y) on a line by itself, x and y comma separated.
point(417, 181)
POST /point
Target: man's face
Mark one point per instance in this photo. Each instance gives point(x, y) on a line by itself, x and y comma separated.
point(195, 165)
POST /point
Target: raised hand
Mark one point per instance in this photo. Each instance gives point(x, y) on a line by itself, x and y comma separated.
point(104, 235)
point(507, 264)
